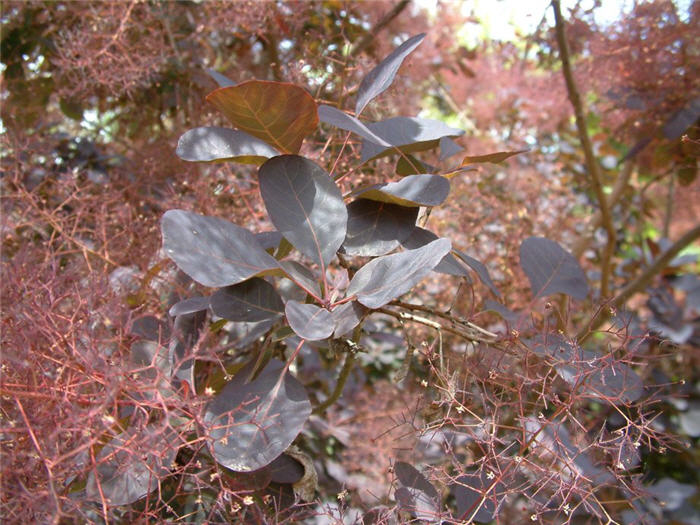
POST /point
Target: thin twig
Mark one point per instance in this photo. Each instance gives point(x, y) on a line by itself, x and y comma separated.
point(592, 166)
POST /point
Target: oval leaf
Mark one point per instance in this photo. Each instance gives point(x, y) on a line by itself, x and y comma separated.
point(305, 205)
point(250, 301)
point(449, 265)
point(493, 158)
point(209, 144)
point(376, 228)
point(131, 465)
point(189, 306)
point(386, 278)
point(407, 134)
point(213, 251)
point(279, 113)
point(309, 321)
point(413, 190)
point(251, 424)
point(551, 269)
point(302, 277)
point(380, 78)
point(342, 120)
point(346, 317)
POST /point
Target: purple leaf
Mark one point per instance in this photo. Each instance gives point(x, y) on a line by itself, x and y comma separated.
point(251, 423)
point(305, 206)
point(551, 269)
point(376, 228)
point(380, 78)
point(342, 120)
point(212, 144)
point(189, 306)
point(249, 301)
point(385, 278)
point(212, 251)
point(309, 321)
point(411, 191)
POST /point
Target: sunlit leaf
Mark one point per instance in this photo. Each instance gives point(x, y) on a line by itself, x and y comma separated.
point(551, 269)
point(448, 265)
point(413, 190)
point(251, 423)
point(376, 228)
point(302, 276)
point(305, 205)
point(213, 251)
point(381, 77)
point(189, 306)
point(342, 120)
point(386, 278)
point(279, 113)
point(250, 301)
point(210, 144)
point(493, 158)
point(309, 321)
point(407, 134)
point(220, 79)
point(346, 317)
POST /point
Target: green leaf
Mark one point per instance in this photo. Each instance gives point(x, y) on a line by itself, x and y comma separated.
point(279, 113)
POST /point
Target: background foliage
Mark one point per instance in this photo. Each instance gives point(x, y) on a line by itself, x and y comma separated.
point(95, 98)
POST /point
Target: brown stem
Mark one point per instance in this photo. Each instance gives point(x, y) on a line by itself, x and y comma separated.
point(592, 165)
point(383, 22)
point(640, 283)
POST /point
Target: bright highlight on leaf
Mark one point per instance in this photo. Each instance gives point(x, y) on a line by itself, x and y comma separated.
point(279, 113)
point(212, 144)
point(413, 190)
point(213, 251)
point(385, 278)
point(380, 78)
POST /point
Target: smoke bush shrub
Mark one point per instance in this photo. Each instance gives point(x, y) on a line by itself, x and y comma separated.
point(229, 408)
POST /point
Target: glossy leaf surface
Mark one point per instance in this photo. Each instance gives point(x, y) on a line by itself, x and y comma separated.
point(213, 251)
point(251, 423)
point(380, 78)
point(493, 158)
point(407, 134)
point(411, 191)
point(449, 265)
point(385, 278)
point(309, 321)
point(279, 113)
point(305, 205)
point(342, 120)
point(250, 301)
point(346, 317)
point(551, 269)
point(220, 79)
point(376, 228)
point(189, 306)
point(210, 144)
